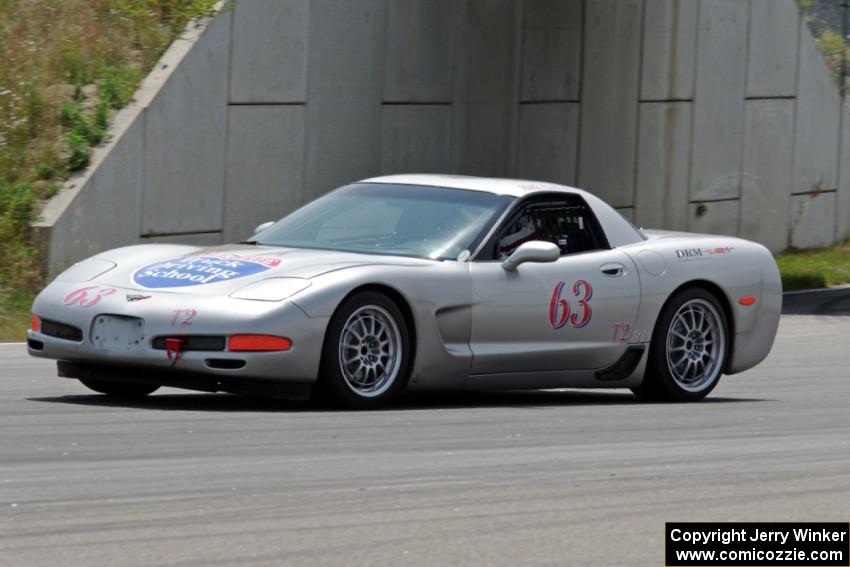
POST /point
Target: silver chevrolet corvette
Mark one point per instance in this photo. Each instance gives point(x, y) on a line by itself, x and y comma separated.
point(414, 282)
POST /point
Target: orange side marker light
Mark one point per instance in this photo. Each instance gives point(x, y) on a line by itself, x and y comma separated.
point(35, 323)
point(258, 343)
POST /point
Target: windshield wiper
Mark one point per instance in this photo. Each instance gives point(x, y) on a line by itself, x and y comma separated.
point(251, 242)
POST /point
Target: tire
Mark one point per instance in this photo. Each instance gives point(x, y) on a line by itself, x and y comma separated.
point(119, 389)
point(366, 357)
point(689, 348)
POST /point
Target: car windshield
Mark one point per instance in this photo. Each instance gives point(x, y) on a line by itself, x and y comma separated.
point(381, 218)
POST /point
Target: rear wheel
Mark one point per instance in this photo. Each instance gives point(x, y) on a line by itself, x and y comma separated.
point(119, 389)
point(689, 347)
point(366, 355)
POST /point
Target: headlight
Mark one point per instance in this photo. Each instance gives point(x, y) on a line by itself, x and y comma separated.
point(271, 289)
point(86, 270)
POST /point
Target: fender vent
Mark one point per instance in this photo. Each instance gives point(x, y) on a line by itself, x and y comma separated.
point(624, 366)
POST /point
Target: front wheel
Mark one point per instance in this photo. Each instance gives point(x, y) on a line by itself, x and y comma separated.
point(119, 389)
point(688, 350)
point(366, 355)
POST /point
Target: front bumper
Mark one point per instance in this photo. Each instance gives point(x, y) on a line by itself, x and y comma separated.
point(205, 382)
point(214, 316)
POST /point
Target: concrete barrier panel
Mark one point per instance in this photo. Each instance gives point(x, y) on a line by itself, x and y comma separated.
point(669, 48)
point(812, 220)
point(346, 76)
point(663, 172)
point(817, 126)
point(843, 221)
point(719, 105)
point(420, 50)
point(551, 50)
point(766, 183)
point(269, 56)
point(185, 131)
point(609, 99)
point(548, 142)
point(415, 138)
point(113, 192)
point(772, 69)
point(488, 102)
point(265, 154)
point(197, 239)
point(683, 120)
point(714, 217)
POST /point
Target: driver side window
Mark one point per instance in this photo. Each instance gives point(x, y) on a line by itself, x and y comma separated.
point(566, 222)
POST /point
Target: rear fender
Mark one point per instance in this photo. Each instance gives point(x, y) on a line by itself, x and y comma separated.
point(733, 268)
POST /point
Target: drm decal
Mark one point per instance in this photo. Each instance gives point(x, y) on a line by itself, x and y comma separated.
point(201, 270)
point(689, 253)
point(702, 253)
point(560, 309)
point(718, 250)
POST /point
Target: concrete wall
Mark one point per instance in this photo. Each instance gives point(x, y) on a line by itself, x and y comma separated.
point(705, 115)
point(160, 176)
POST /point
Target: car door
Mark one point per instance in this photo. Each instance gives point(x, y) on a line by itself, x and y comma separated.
point(563, 315)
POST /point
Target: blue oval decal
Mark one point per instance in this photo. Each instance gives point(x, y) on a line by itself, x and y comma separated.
point(199, 270)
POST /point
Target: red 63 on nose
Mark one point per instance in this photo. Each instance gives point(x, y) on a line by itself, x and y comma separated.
point(88, 296)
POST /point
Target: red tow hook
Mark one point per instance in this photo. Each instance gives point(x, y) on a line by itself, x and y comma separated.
point(172, 349)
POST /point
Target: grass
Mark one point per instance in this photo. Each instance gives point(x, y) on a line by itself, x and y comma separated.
point(809, 269)
point(67, 67)
point(835, 51)
point(15, 315)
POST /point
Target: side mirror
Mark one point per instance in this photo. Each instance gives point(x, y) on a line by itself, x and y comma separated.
point(260, 228)
point(532, 251)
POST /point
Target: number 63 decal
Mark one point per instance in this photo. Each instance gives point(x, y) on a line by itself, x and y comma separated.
point(560, 310)
point(87, 296)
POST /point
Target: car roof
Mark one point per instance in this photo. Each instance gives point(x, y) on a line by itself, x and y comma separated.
point(619, 231)
point(495, 185)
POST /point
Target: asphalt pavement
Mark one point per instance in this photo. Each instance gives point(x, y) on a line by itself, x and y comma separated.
point(539, 478)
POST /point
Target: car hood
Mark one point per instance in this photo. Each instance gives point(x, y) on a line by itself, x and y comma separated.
point(224, 269)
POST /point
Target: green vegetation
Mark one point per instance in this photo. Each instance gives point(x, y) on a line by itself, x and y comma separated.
point(808, 269)
point(67, 66)
point(835, 51)
point(824, 20)
point(15, 315)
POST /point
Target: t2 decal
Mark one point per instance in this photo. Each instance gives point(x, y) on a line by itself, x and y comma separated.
point(560, 310)
point(622, 332)
point(183, 317)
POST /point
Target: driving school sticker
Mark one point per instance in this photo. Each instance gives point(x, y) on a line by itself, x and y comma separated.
point(201, 270)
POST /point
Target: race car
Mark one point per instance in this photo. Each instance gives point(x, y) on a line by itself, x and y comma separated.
point(419, 282)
